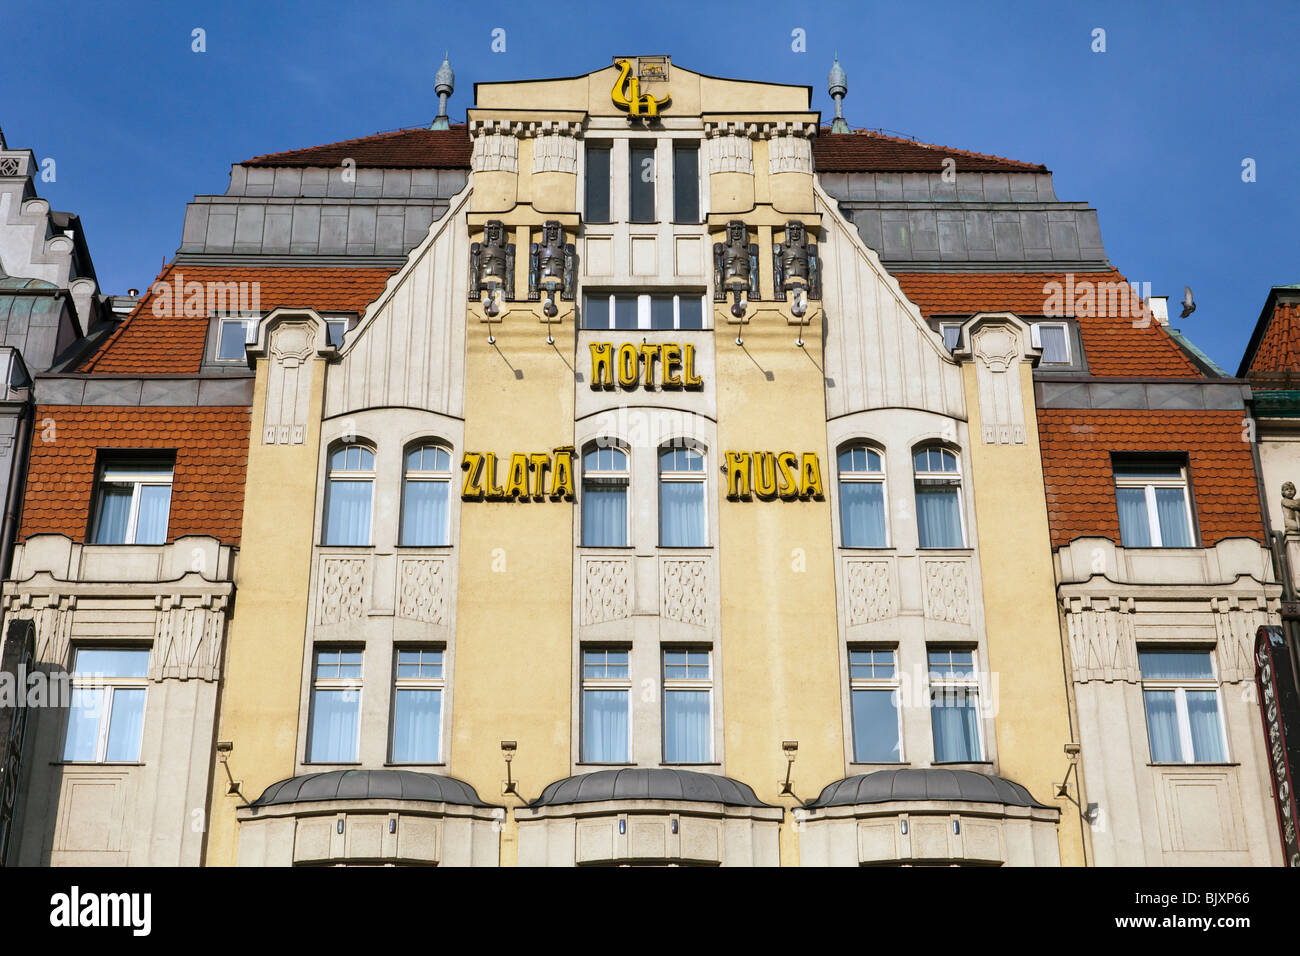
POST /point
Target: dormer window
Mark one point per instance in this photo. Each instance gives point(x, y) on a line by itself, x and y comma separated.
point(133, 502)
point(234, 334)
point(1054, 339)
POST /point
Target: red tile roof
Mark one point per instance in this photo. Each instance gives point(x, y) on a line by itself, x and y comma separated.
point(165, 340)
point(1113, 345)
point(211, 444)
point(415, 148)
point(1080, 484)
point(866, 151)
point(1279, 347)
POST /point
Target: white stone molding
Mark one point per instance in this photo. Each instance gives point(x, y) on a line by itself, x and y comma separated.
point(869, 585)
point(422, 590)
point(343, 589)
point(728, 152)
point(606, 590)
point(947, 591)
point(789, 153)
point(684, 590)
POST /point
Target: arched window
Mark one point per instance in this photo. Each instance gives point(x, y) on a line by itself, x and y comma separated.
point(862, 498)
point(426, 497)
point(349, 488)
point(605, 479)
point(938, 498)
point(683, 518)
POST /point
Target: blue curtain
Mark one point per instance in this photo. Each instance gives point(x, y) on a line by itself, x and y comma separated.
point(604, 726)
point(862, 514)
point(334, 726)
point(604, 514)
point(1162, 726)
point(151, 522)
point(687, 734)
point(83, 723)
point(954, 717)
point(416, 725)
point(1171, 509)
point(1134, 529)
point(125, 724)
point(424, 514)
point(681, 514)
point(938, 517)
point(1207, 738)
point(875, 727)
point(114, 513)
point(347, 515)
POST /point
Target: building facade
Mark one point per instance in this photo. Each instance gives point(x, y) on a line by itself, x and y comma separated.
point(643, 474)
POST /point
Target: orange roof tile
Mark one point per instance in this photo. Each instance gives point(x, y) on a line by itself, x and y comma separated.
point(1113, 344)
point(211, 445)
point(158, 337)
point(1080, 485)
point(1279, 349)
point(412, 148)
point(867, 151)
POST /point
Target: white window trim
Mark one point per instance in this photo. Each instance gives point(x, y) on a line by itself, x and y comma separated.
point(643, 322)
point(603, 683)
point(875, 477)
point(951, 476)
point(420, 683)
point(656, 194)
point(943, 329)
point(623, 475)
point(701, 476)
point(363, 474)
point(138, 481)
point(686, 683)
point(1180, 686)
point(1153, 515)
point(971, 686)
point(1036, 339)
point(336, 683)
point(876, 683)
point(250, 335)
point(422, 475)
point(108, 685)
point(697, 147)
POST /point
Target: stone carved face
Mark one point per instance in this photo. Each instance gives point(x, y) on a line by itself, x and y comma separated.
point(492, 233)
point(1288, 490)
point(794, 233)
point(552, 235)
point(736, 233)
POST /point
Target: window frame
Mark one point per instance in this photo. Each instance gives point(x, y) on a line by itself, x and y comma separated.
point(446, 477)
point(673, 685)
point(864, 477)
point(586, 683)
point(633, 146)
point(873, 683)
point(137, 481)
point(358, 475)
point(250, 336)
point(970, 686)
point(609, 478)
point(607, 147)
point(682, 145)
point(319, 683)
point(701, 476)
point(1036, 334)
point(401, 683)
point(1180, 686)
point(955, 478)
point(943, 334)
point(1184, 481)
point(644, 311)
point(107, 684)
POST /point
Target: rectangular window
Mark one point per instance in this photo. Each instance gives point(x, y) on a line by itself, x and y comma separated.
point(686, 182)
point(873, 683)
point(1154, 506)
point(335, 329)
point(418, 684)
point(606, 700)
point(1054, 340)
point(683, 517)
point(106, 718)
point(596, 207)
point(954, 706)
point(688, 706)
point(632, 311)
point(1184, 716)
point(641, 182)
point(335, 707)
point(605, 479)
point(133, 502)
point(233, 334)
point(951, 332)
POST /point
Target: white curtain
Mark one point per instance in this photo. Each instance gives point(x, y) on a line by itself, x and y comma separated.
point(604, 726)
point(151, 522)
point(1171, 510)
point(681, 514)
point(347, 515)
point(125, 724)
point(954, 717)
point(862, 514)
point(938, 516)
point(334, 726)
point(416, 730)
point(114, 514)
point(1162, 726)
point(687, 733)
point(1134, 529)
point(604, 514)
point(1207, 737)
point(424, 514)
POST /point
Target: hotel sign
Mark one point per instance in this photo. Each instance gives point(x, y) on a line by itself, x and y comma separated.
point(633, 365)
point(767, 475)
point(1279, 705)
point(530, 476)
point(627, 89)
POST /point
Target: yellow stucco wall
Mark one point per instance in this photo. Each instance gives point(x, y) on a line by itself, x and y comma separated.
point(264, 642)
point(1023, 630)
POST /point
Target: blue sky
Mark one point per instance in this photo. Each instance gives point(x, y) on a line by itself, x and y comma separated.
point(1151, 132)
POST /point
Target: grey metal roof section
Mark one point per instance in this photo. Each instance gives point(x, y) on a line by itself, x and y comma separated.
point(653, 783)
point(370, 785)
point(1066, 393)
point(933, 783)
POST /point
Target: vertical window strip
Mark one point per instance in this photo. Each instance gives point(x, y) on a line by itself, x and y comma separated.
point(688, 705)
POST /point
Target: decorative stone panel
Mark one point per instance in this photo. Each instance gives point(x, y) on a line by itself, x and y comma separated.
point(555, 152)
point(947, 591)
point(1102, 645)
point(495, 150)
point(729, 153)
point(288, 387)
point(870, 591)
point(789, 154)
point(997, 352)
point(187, 642)
point(343, 585)
point(422, 590)
point(606, 590)
point(684, 591)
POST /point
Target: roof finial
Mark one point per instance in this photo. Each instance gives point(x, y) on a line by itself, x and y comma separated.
point(444, 83)
point(838, 82)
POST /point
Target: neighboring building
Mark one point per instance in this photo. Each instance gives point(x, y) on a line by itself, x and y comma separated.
point(643, 474)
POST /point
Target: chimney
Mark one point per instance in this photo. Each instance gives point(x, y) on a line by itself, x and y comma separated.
point(1159, 305)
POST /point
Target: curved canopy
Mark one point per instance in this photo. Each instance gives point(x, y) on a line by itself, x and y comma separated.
point(649, 783)
point(370, 785)
point(933, 783)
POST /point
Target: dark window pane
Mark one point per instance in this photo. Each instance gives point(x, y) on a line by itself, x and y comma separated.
point(691, 309)
point(641, 182)
point(686, 184)
point(625, 312)
point(661, 312)
point(595, 312)
point(597, 206)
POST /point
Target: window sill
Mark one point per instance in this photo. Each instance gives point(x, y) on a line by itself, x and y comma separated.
point(857, 548)
point(413, 766)
point(347, 547)
point(961, 763)
point(667, 763)
point(1226, 763)
point(97, 763)
point(963, 550)
point(326, 765)
point(588, 763)
point(412, 547)
point(880, 763)
point(607, 547)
